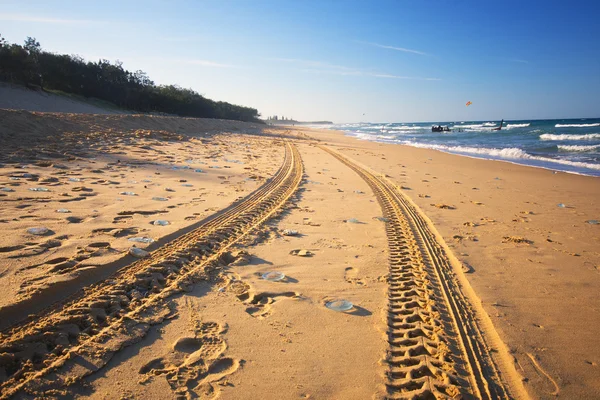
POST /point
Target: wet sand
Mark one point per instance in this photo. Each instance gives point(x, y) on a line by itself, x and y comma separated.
point(533, 265)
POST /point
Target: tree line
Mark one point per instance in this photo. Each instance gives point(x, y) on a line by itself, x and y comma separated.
point(30, 65)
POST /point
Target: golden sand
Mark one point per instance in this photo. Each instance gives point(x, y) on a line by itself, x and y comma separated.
point(510, 279)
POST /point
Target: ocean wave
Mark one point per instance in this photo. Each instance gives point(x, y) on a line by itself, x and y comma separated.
point(589, 136)
point(371, 136)
point(579, 147)
point(408, 132)
point(511, 126)
point(472, 126)
point(377, 127)
point(511, 153)
point(576, 125)
point(346, 126)
point(408, 128)
point(489, 124)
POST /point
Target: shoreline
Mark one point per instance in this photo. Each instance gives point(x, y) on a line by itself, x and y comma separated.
point(480, 158)
point(506, 228)
point(566, 165)
point(531, 266)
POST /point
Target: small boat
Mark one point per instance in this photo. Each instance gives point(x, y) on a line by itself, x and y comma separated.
point(440, 128)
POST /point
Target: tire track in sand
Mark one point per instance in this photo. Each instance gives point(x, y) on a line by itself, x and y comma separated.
point(57, 347)
point(440, 338)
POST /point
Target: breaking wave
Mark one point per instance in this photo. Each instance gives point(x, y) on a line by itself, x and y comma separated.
point(511, 152)
point(589, 136)
point(472, 126)
point(511, 126)
point(562, 144)
point(579, 147)
point(576, 125)
point(508, 154)
point(408, 128)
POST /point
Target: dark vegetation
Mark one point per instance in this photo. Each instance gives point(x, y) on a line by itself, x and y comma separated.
point(33, 67)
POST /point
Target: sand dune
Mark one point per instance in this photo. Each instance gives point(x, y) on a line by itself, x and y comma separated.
point(17, 97)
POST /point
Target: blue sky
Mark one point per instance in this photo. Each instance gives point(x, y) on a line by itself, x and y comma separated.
point(393, 61)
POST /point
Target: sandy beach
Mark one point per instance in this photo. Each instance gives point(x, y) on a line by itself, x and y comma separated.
point(504, 297)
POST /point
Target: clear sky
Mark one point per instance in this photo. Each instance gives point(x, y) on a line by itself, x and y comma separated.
point(343, 60)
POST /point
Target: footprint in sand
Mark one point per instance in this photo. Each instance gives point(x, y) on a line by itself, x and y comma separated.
point(193, 364)
point(121, 219)
point(30, 249)
point(61, 265)
point(258, 305)
point(516, 239)
point(116, 232)
point(351, 276)
point(443, 206)
point(9, 249)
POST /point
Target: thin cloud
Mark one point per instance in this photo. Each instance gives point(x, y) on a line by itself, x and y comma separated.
point(328, 71)
point(181, 39)
point(318, 64)
point(402, 77)
point(201, 63)
point(320, 67)
point(206, 63)
point(383, 46)
point(48, 20)
point(162, 60)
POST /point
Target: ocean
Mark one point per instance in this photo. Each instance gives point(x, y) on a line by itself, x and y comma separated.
point(568, 145)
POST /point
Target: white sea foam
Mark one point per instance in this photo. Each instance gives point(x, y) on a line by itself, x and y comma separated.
point(576, 125)
point(511, 152)
point(408, 128)
point(571, 155)
point(512, 126)
point(354, 125)
point(472, 126)
point(508, 154)
point(589, 136)
point(578, 147)
point(371, 136)
point(377, 127)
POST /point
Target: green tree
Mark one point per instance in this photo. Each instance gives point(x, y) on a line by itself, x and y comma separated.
point(33, 49)
point(32, 66)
